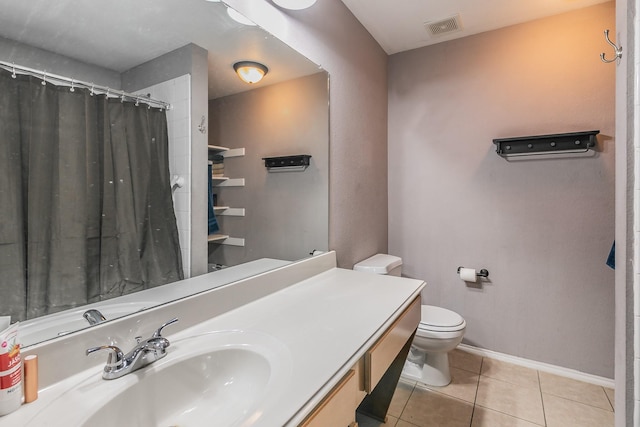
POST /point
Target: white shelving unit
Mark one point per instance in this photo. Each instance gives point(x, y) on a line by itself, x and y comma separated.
point(224, 181)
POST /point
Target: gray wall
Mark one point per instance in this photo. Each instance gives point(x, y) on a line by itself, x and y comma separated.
point(39, 59)
point(543, 228)
point(329, 35)
point(286, 213)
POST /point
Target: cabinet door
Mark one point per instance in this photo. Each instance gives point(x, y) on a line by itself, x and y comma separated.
point(384, 351)
point(338, 409)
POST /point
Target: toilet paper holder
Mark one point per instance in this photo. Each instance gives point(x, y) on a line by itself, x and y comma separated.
point(481, 273)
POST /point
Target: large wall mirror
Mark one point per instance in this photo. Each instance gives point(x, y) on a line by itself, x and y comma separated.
point(219, 129)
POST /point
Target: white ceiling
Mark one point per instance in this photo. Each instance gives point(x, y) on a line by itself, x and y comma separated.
point(121, 34)
point(398, 25)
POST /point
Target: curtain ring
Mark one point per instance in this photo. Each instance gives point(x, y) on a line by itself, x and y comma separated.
point(91, 91)
point(72, 89)
point(13, 71)
point(122, 98)
point(44, 79)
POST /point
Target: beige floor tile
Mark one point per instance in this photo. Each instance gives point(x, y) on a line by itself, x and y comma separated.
point(561, 412)
point(364, 421)
point(429, 408)
point(589, 394)
point(464, 385)
point(509, 372)
point(611, 394)
point(404, 424)
point(512, 399)
point(400, 397)
point(483, 417)
point(463, 360)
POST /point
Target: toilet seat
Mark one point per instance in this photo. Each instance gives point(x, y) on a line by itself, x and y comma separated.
point(438, 319)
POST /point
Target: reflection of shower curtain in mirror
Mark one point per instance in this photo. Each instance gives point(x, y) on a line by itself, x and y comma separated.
point(85, 200)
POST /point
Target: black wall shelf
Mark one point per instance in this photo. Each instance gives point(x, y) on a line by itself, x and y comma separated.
point(287, 163)
point(575, 142)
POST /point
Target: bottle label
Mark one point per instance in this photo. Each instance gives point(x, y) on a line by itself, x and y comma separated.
point(10, 366)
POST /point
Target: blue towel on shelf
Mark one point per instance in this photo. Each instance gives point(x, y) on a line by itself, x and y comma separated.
point(213, 222)
point(611, 260)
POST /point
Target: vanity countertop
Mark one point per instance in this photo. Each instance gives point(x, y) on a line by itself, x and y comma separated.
point(325, 322)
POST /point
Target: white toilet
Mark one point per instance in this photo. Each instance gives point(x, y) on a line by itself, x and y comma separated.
point(439, 332)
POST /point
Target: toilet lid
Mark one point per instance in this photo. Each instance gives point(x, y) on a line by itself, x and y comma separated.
point(438, 317)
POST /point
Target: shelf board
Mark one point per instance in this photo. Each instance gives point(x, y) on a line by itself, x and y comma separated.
point(217, 148)
point(232, 212)
point(229, 182)
point(223, 239)
point(233, 152)
point(217, 237)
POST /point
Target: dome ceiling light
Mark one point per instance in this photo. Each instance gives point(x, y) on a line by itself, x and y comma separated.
point(249, 71)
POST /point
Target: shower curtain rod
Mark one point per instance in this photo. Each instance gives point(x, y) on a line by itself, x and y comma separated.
point(73, 83)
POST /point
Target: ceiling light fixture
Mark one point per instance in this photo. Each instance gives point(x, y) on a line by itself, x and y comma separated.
point(238, 17)
point(294, 4)
point(249, 71)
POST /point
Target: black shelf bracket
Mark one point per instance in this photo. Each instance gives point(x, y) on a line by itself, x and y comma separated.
point(575, 142)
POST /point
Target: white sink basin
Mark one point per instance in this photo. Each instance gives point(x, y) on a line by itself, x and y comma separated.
point(224, 379)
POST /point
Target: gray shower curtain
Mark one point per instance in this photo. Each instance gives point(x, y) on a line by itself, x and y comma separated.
point(85, 202)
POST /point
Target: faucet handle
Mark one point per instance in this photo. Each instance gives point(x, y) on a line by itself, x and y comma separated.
point(115, 353)
point(158, 333)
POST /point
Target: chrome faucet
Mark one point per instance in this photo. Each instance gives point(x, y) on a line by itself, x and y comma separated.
point(144, 353)
point(94, 317)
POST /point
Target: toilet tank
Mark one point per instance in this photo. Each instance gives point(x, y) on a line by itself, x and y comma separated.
point(381, 264)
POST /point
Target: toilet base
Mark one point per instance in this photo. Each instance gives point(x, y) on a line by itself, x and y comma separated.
point(432, 370)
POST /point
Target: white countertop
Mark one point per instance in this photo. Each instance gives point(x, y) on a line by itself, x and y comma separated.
point(326, 322)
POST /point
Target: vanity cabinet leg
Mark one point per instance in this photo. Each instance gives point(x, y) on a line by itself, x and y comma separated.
point(376, 404)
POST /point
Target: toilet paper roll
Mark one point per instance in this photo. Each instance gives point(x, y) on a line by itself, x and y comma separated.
point(468, 274)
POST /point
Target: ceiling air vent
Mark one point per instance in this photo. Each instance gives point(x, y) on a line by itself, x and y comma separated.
point(444, 26)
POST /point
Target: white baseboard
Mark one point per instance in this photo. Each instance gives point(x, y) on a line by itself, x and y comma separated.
point(540, 366)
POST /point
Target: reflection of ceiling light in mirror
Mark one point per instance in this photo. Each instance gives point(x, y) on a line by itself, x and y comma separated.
point(294, 4)
point(249, 71)
point(238, 17)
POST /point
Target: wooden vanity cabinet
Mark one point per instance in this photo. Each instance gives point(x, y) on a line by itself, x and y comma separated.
point(338, 407)
point(369, 386)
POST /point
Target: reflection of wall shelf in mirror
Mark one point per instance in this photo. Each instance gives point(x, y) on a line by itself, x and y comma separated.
point(227, 211)
point(217, 148)
point(223, 239)
point(224, 181)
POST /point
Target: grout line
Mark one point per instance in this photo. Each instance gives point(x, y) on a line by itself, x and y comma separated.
point(613, 408)
point(407, 402)
point(544, 413)
point(475, 398)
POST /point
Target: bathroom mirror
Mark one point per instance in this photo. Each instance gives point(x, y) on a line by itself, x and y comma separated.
point(108, 43)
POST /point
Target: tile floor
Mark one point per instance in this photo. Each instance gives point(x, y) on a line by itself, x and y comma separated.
point(490, 393)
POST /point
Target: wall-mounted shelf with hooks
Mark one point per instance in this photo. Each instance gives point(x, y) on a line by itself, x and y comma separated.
point(297, 163)
point(562, 143)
